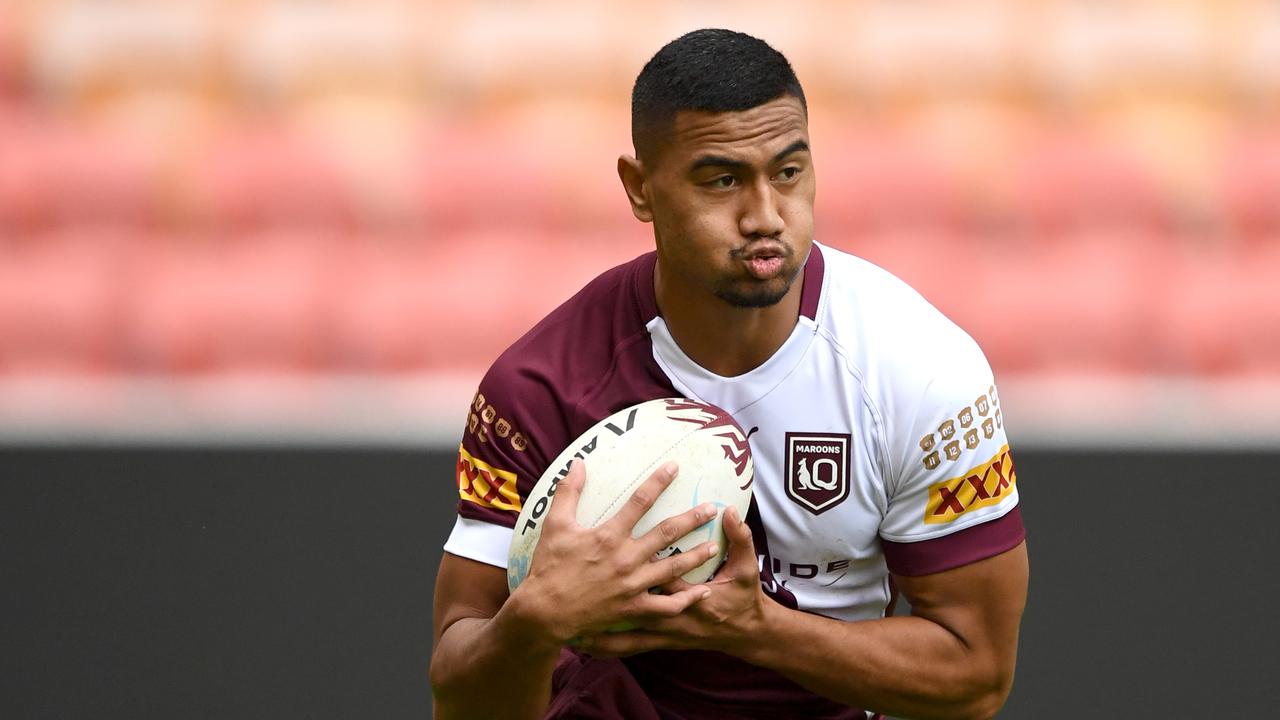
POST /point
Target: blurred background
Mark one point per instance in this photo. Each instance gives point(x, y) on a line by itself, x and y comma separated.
point(324, 219)
point(255, 255)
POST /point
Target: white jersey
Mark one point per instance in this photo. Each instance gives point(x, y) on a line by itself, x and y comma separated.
point(876, 430)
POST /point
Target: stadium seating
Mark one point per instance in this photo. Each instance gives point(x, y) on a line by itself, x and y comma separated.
point(61, 302)
point(343, 191)
point(212, 304)
point(1250, 187)
point(266, 176)
point(1074, 180)
point(874, 179)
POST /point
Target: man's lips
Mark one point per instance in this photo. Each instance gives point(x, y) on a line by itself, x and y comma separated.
point(764, 267)
point(763, 261)
point(763, 249)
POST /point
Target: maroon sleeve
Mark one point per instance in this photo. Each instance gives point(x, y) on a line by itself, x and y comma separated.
point(511, 428)
point(586, 360)
point(961, 548)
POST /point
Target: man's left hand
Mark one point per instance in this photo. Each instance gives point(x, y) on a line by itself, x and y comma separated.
point(731, 614)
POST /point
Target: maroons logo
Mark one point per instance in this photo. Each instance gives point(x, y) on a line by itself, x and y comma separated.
point(818, 470)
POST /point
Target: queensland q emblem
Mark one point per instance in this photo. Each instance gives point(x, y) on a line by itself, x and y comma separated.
point(818, 469)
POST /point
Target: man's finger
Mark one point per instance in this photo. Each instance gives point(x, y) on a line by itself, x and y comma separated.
point(564, 505)
point(668, 606)
point(674, 566)
point(666, 533)
point(740, 565)
point(643, 498)
point(671, 587)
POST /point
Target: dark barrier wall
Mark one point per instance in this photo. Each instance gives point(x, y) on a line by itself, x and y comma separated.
point(143, 583)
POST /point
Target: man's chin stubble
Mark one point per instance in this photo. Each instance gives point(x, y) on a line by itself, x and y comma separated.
point(761, 298)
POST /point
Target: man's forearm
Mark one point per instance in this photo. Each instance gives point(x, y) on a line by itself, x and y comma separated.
point(488, 667)
point(905, 666)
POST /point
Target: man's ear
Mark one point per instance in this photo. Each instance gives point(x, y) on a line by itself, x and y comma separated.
point(631, 172)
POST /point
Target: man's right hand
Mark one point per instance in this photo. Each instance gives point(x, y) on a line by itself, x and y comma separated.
point(584, 580)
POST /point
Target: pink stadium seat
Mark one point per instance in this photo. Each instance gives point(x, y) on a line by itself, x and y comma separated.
point(60, 302)
point(253, 304)
point(29, 153)
point(486, 174)
point(268, 176)
point(383, 303)
point(105, 177)
point(1073, 180)
point(1250, 189)
point(1096, 291)
point(409, 305)
point(586, 194)
point(871, 180)
point(1256, 338)
point(12, 58)
point(1221, 313)
point(54, 172)
point(1081, 305)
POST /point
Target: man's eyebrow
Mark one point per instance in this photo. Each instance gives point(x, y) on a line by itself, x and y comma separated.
point(795, 147)
point(721, 161)
point(716, 161)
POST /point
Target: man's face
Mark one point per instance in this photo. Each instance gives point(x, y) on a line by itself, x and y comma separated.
point(732, 201)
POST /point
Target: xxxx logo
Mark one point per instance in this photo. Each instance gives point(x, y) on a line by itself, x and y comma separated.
point(981, 487)
point(485, 485)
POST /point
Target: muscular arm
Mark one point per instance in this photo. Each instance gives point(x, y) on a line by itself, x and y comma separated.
point(477, 644)
point(953, 657)
point(494, 653)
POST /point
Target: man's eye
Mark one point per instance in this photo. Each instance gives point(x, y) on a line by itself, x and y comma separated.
point(724, 181)
point(788, 173)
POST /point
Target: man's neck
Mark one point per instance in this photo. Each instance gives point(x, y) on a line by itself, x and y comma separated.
point(724, 339)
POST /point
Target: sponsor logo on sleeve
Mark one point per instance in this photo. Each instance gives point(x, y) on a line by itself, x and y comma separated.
point(980, 487)
point(485, 485)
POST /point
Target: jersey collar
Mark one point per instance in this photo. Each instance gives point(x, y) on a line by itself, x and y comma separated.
point(733, 393)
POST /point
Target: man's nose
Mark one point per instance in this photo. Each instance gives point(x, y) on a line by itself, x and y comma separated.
point(760, 213)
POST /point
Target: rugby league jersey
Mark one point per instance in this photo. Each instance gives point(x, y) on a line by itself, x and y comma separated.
point(876, 430)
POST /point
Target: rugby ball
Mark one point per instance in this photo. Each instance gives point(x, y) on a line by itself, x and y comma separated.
point(622, 451)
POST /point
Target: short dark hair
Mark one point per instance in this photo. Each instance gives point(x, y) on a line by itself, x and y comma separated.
point(709, 70)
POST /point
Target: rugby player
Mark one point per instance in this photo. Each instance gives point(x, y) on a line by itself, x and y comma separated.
point(882, 465)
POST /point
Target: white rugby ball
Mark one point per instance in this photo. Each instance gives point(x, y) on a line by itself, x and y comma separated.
point(622, 451)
